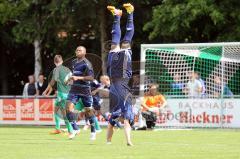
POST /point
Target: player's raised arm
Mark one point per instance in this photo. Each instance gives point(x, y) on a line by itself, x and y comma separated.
point(83, 78)
point(49, 88)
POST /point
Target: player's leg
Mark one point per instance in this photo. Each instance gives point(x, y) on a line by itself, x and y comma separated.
point(116, 30)
point(121, 98)
point(129, 27)
point(109, 133)
point(127, 114)
point(60, 104)
point(86, 126)
point(89, 114)
point(80, 107)
point(71, 115)
point(110, 126)
point(115, 112)
point(67, 123)
point(57, 120)
point(127, 131)
point(118, 124)
point(72, 99)
point(106, 117)
point(74, 124)
point(76, 115)
point(97, 108)
point(97, 126)
point(112, 122)
point(63, 104)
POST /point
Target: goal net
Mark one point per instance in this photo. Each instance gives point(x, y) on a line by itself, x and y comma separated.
point(204, 73)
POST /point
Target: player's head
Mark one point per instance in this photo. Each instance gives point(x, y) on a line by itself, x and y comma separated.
point(58, 60)
point(80, 52)
point(153, 89)
point(105, 80)
point(31, 79)
point(125, 45)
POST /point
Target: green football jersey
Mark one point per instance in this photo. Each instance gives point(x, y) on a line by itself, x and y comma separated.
point(59, 74)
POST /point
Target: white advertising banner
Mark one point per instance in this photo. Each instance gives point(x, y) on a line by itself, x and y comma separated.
point(177, 113)
point(200, 113)
point(33, 111)
point(26, 111)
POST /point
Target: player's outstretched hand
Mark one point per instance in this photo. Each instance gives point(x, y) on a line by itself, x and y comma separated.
point(75, 78)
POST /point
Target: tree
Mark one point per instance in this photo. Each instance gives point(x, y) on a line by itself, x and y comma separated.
point(195, 21)
point(8, 14)
point(34, 24)
point(47, 27)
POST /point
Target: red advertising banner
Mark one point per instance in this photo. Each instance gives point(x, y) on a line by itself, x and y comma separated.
point(46, 109)
point(27, 109)
point(9, 109)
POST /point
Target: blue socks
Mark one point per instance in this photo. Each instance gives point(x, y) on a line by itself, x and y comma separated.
point(116, 30)
point(129, 29)
point(92, 124)
point(71, 118)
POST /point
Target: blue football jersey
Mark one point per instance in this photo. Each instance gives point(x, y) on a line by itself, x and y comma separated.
point(82, 68)
point(119, 64)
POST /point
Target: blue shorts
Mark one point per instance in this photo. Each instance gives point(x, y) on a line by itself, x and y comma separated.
point(96, 103)
point(97, 106)
point(120, 101)
point(86, 100)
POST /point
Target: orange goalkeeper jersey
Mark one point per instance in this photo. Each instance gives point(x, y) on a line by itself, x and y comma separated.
point(154, 101)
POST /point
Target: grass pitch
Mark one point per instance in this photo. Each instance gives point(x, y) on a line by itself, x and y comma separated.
point(36, 143)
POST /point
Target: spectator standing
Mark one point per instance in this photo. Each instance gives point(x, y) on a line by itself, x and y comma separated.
point(41, 84)
point(30, 88)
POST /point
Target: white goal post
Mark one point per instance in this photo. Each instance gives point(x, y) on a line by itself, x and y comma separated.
point(201, 80)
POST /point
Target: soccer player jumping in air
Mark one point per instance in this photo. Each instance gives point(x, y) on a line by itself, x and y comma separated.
point(81, 89)
point(119, 69)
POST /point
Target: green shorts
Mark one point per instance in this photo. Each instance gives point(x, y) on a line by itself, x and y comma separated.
point(61, 100)
point(79, 105)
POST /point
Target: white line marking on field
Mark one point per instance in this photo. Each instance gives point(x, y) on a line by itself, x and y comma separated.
point(170, 129)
